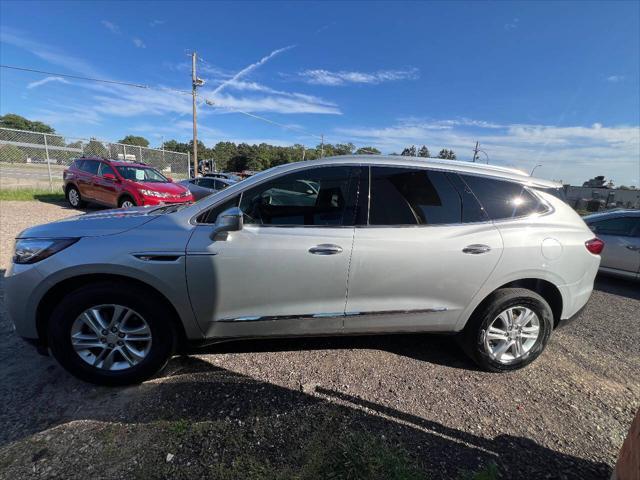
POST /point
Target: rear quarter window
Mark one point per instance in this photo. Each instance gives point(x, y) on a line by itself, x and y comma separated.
point(503, 199)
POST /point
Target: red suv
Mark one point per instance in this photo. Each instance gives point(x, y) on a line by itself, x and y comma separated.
point(120, 184)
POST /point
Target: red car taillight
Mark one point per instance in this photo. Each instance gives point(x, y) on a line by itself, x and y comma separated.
point(595, 245)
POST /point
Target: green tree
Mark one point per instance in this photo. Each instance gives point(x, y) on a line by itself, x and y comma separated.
point(135, 141)
point(368, 151)
point(11, 120)
point(424, 152)
point(409, 151)
point(95, 148)
point(447, 154)
point(11, 154)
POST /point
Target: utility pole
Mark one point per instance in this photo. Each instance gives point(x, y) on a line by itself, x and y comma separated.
point(475, 153)
point(194, 85)
point(322, 146)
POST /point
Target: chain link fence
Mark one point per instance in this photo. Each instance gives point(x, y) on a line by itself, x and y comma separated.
point(37, 160)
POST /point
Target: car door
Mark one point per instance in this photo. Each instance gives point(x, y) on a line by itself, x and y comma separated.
point(86, 177)
point(416, 264)
point(621, 237)
point(285, 272)
point(105, 190)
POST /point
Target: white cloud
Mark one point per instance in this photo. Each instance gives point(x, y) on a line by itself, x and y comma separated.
point(570, 153)
point(276, 104)
point(156, 23)
point(329, 78)
point(512, 25)
point(248, 69)
point(615, 78)
point(44, 81)
point(112, 27)
point(138, 43)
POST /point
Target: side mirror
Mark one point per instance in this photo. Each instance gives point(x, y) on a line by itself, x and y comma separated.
point(231, 220)
point(109, 176)
point(170, 179)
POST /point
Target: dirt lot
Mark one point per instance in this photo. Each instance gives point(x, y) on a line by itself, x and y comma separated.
point(377, 407)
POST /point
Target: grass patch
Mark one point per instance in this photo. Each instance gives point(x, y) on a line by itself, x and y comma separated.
point(30, 194)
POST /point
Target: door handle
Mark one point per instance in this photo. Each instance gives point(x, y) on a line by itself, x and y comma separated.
point(633, 247)
point(476, 249)
point(326, 249)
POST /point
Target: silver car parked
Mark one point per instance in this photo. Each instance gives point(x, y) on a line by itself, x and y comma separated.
point(620, 229)
point(348, 245)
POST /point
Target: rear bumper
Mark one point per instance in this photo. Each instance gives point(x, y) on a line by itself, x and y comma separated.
point(568, 321)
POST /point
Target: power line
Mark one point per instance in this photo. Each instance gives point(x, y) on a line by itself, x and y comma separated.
point(100, 80)
point(77, 77)
point(264, 119)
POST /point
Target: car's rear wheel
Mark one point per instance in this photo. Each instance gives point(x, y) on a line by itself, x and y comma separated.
point(74, 198)
point(126, 202)
point(111, 334)
point(509, 331)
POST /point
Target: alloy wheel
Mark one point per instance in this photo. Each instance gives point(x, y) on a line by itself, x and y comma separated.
point(512, 334)
point(74, 197)
point(111, 337)
point(127, 204)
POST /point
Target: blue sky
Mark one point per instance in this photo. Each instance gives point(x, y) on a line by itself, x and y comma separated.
point(551, 83)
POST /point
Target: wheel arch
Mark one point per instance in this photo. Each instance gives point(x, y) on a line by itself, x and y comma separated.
point(55, 294)
point(124, 195)
point(544, 288)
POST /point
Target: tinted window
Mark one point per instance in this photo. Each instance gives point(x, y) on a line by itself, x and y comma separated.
point(104, 168)
point(316, 196)
point(77, 164)
point(406, 196)
point(503, 199)
point(206, 182)
point(472, 211)
point(90, 166)
point(211, 215)
point(623, 226)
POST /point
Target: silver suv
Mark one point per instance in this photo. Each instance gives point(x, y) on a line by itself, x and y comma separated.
point(348, 245)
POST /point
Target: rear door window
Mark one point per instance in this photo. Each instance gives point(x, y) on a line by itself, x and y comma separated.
point(90, 167)
point(503, 199)
point(412, 196)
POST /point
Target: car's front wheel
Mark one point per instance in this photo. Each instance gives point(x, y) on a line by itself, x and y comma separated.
point(509, 331)
point(126, 202)
point(111, 334)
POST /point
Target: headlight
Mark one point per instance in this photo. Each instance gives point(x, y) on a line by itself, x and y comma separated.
point(152, 193)
point(32, 250)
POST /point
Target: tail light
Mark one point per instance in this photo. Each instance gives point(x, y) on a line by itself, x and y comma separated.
point(595, 245)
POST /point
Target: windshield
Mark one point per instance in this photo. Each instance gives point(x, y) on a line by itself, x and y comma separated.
point(141, 174)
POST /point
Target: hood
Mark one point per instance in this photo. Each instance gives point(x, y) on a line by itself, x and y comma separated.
point(164, 187)
point(105, 222)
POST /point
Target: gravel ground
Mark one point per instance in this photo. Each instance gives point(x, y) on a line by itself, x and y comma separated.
point(275, 409)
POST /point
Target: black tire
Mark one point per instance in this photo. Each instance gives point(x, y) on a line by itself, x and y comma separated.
point(70, 196)
point(126, 198)
point(471, 339)
point(163, 340)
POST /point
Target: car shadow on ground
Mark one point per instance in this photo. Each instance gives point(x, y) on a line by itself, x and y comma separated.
point(432, 348)
point(55, 199)
point(618, 286)
point(288, 424)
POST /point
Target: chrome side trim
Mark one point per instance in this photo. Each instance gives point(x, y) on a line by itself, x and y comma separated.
point(251, 318)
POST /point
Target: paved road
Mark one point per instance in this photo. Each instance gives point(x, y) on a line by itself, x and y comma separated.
point(565, 416)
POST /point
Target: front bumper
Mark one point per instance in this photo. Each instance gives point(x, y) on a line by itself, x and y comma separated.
point(154, 201)
point(23, 285)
